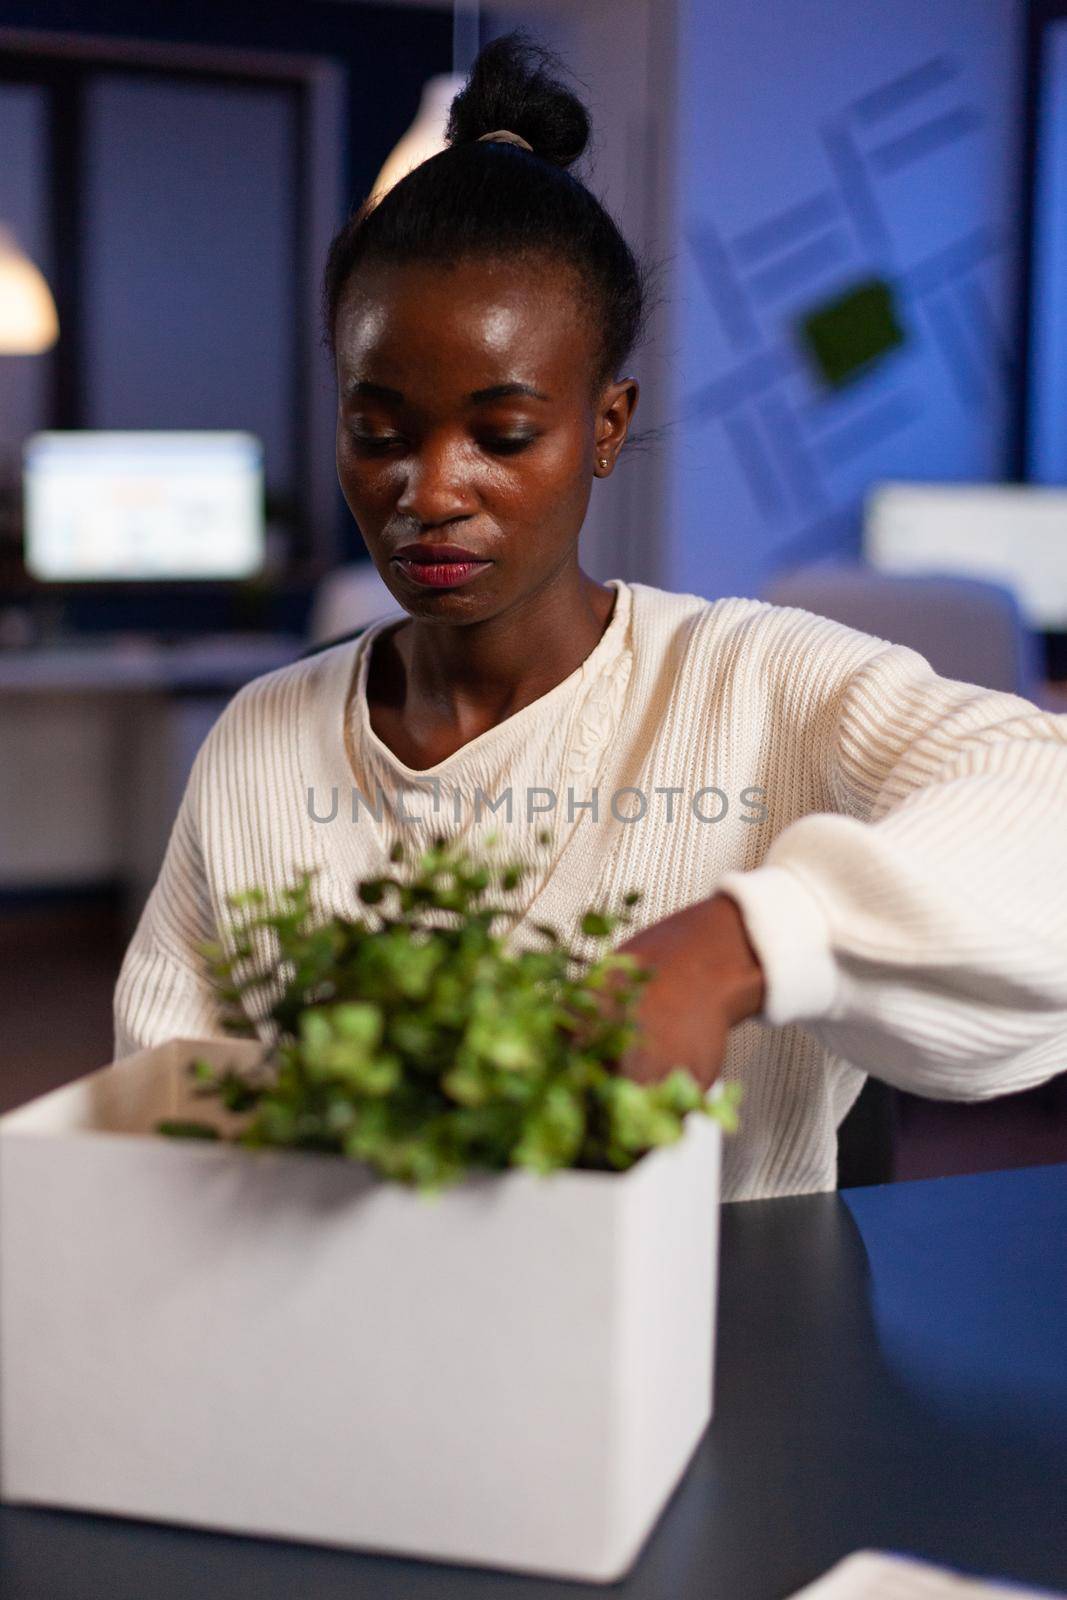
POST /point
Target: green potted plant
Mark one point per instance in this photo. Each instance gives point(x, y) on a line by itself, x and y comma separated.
point(413, 1040)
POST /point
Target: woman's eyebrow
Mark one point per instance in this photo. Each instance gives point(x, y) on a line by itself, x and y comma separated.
point(478, 397)
point(500, 391)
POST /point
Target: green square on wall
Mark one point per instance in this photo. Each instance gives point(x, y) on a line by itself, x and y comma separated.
point(847, 334)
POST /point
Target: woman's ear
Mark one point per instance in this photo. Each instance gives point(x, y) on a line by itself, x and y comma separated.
point(614, 415)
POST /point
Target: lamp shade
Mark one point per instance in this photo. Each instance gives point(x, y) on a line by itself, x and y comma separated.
point(28, 321)
point(426, 136)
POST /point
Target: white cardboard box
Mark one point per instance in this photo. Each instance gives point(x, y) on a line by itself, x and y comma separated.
point(274, 1342)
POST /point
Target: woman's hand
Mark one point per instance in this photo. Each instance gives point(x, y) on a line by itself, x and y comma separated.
point(706, 978)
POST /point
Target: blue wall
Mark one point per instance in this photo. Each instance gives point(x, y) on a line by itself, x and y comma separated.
point(1046, 459)
point(836, 141)
point(191, 294)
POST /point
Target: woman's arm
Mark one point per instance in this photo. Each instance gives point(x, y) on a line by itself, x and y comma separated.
point(162, 990)
point(920, 930)
point(707, 978)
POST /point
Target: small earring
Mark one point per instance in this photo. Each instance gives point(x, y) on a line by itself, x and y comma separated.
point(603, 461)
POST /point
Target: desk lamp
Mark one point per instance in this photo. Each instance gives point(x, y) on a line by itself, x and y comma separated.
point(426, 136)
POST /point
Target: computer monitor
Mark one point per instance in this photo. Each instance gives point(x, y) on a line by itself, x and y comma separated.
point(122, 507)
point(1013, 534)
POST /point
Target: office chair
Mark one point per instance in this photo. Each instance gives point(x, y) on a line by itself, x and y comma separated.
point(967, 628)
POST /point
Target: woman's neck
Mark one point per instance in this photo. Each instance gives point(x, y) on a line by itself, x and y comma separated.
point(432, 688)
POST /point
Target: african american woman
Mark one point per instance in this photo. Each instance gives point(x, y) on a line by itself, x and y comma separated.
point(848, 864)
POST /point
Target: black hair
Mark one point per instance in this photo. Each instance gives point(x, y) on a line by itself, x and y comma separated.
point(485, 198)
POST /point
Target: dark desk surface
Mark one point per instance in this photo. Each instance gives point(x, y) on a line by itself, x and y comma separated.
point(892, 1374)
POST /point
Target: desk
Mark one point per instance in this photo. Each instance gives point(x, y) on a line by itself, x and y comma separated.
point(892, 1372)
point(134, 664)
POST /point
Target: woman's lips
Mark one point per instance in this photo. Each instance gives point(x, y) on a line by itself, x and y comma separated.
point(441, 575)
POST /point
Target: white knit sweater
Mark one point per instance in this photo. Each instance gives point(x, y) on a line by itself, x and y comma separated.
point(897, 843)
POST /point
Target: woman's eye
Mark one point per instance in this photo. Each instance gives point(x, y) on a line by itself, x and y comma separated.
point(373, 441)
point(502, 445)
point(510, 447)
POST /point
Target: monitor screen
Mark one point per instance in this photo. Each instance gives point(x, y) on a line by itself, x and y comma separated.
point(139, 506)
point(1013, 534)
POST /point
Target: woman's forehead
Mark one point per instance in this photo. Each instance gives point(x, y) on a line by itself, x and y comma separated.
point(480, 315)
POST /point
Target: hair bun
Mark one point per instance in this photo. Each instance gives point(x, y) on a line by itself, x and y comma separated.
point(514, 84)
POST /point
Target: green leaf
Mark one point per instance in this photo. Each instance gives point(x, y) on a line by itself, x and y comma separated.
point(722, 1102)
point(358, 1022)
point(552, 1133)
point(679, 1092)
point(178, 1128)
point(277, 1122)
point(468, 1083)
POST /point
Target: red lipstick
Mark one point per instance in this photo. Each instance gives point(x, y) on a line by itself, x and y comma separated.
point(439, 566)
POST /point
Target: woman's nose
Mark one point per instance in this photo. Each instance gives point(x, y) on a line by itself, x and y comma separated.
point(436, 487)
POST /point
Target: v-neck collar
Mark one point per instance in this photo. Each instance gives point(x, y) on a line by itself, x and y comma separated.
point(325, 760)
point(356, 711)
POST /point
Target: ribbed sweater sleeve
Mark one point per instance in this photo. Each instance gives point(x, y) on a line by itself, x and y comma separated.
point(162, 990)
point(919, 928)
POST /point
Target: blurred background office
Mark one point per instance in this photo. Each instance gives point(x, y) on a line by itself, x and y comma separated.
point(856, 378)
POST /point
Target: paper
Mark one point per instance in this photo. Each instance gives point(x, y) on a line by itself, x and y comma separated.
point(875, 1575)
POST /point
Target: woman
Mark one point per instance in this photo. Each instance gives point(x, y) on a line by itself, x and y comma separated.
point(848, 864)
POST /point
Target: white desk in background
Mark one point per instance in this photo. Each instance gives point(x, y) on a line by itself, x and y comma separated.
point(96, 743)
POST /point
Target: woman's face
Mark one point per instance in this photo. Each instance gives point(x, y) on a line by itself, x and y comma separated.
point(465, 418)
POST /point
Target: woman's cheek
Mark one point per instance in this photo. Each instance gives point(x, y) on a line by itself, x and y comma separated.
point(365, 487)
